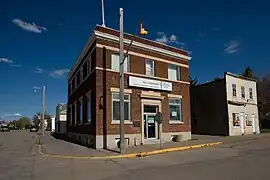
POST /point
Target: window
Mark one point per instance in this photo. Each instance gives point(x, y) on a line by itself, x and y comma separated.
point(115, 63)
point(243, 95)
point(149, 68)
point(81, 74)
point(78, 78)
point(248, 120)
point(75, 112)
point(73, 84)
point(70, 114)
point(69, 89)
point(81, 110)
point(236, 119)
point(234, 90)
point(85, 69)
point(89, 65)
point(116, 106)
point(173, 72)
point(175, 106)
point(89, 117)
point(250, 94)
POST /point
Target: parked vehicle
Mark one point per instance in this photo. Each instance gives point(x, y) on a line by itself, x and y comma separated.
point(4, 128)
point(33, 129)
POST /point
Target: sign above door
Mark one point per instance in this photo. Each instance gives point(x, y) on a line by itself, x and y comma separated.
point(150, 83)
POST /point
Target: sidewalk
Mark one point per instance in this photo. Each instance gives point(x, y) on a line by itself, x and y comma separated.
point(53, 146)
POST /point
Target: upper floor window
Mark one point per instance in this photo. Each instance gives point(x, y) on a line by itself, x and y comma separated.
point(78, 78)
point(149, 67)
point(81, 74)
point(250, 93)
point(173, 72)
point(243, 95)
point(89, 65)
point(234, 90)
point(73, 84)
point(85, 69)
point(115, 63)
point(69, 88)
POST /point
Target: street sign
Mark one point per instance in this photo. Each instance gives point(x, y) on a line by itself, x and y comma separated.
point(159, 118)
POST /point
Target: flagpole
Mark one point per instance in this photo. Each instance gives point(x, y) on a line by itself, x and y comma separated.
point(102, 10)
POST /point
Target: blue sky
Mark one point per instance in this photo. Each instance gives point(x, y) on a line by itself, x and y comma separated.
point(40, 40)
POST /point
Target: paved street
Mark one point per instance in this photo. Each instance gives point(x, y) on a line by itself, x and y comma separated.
point(243, 158)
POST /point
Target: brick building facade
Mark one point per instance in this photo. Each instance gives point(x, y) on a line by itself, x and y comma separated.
point(156, 80)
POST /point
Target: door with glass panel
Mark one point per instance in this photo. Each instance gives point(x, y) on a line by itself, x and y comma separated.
point(150, 125)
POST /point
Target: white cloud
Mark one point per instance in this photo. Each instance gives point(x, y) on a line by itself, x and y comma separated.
point(59, 73)
point(36, 87)
point(163, 38)
point(39, 70)
point(12, 114)
point(5, 60)
point(28, 26)
point(232, 47)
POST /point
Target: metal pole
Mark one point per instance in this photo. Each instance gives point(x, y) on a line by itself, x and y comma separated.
point(121, 69)
point(43, 110)
point(102, 9)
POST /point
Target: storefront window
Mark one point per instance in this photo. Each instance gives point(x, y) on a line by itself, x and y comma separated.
point(175, 109)
point(248, 120)
point(116, 106)
point(236, 119)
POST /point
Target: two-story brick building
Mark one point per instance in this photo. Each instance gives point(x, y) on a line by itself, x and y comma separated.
point(156, 80)
point(227, 106)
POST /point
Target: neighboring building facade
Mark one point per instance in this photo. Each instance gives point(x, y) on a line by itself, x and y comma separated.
point(60, 119)
point(156, 80)
point(225, 107)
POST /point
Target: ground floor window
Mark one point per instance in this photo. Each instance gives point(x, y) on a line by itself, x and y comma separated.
point(70, 114)
point(89, 118)
point(175, 106)
point(248, 120)
point(236, 119)
point(116, 106)
point(75, 112)
point(81, 110)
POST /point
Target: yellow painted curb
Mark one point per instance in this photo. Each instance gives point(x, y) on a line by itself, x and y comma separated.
point(132, 155)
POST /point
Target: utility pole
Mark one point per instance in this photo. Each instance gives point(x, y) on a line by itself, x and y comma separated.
point(102, 9)
point(43, 111)
point(121, 69)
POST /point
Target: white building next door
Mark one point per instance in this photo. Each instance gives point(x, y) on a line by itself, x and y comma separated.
point(242, 123)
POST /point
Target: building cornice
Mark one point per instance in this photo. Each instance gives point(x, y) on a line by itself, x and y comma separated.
point(111, 37)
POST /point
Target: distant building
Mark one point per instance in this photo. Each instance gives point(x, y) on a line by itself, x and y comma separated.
point(61, 118)
point(156, 80)
point(226, 106)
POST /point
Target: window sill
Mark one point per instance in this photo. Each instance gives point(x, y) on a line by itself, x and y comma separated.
point(87, 123)
point(118, 122)
point(175, 122)
point(236, 127)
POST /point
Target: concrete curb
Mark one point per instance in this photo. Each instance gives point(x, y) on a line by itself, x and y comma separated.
point(132, 155)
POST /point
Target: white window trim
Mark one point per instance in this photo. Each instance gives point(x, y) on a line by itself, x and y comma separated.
point(153, 67)
point(244, 92)
point(127, 60)
point(75, 112)
point(88, 96)
point(181, 121)
point(251, 93)
point(178, 78)
point(235, 91)
point(116, 121)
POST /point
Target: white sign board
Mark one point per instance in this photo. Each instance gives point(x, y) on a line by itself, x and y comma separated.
point(150, 83)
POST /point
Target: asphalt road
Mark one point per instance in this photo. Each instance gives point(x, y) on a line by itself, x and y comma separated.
point(245, 159)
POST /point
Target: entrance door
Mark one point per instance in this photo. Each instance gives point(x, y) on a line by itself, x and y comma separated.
point(150, 125)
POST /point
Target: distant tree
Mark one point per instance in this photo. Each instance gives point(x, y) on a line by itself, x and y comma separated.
point(193, 82)
point(23, 122)
point(37, 117)
point(217, 78)
point(248, 72)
